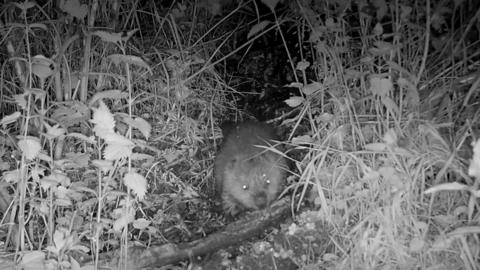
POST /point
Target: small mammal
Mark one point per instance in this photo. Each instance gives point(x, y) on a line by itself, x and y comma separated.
point(248, 177)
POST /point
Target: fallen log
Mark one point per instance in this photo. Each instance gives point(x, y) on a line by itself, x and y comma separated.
point(249, 226)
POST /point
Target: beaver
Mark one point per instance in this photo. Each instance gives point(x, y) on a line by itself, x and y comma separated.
point(248, 177)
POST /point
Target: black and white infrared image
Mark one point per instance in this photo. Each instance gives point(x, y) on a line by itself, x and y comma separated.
point(239, 135)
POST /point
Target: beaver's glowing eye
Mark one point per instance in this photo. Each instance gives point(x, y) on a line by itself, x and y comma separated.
point(267, 181)
point(245, 187)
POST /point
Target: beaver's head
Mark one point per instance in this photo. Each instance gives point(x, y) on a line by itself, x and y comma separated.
point(254, 182)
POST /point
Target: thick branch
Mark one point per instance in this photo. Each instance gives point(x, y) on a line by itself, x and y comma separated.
point(248, 227)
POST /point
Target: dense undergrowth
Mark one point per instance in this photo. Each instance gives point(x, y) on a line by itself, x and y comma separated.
point(110, 113)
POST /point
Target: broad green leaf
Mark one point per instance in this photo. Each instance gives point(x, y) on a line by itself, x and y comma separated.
point(33, 260)
point(302, 65)
point(24, 5)
point(130, 59)
point(74, 8)
point(12, 176)
point(55, 131)
point(139, 123)
point(294, 101)
point(376, 147)
point(108, 94)
point(30, 146)
point(42, 67)
point(7, 119)
point(103, 121)
point(271, 4)
point(257, 28)
point(453, 186)
point(141, 224)
point(137, 183)
point(312, 88)
point(474, 168)
point(380, 86)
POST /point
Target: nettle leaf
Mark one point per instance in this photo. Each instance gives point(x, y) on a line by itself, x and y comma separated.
point(378, 29)
point(108, 36)
point(38, 25)
point(124, 219)
point(294, 101)
point(54, 180)
point(70, 113)
point(325, 118)
point(143, 126)
point(90, 140)
point(438, 18)
point(257, 28)
point(114, 94)
point(380, 86)
point(416, 244)
point(212, 6)
point(24, 5)
point(117, 147)
point(77, 192)
point(147, 160)
point(114, 37)
point(62, 239)
point(55, 131)
point(20, 101)
point(139, 123)
point(296, 85)
point(79, 159)
point(11, 177)
point(115, 138)
point(33, 260)
point(37, 173)
point(189, 192)
point(43, 209)
point(391, 105)
point(452, 186)
point(5, 165)
point(474, 168)
point(10, 119)
point(36, 92)
point(271, 4)
point(381, 8)
point(302, 65)
point(61, 197)
point(412, 97)
point(182, 92)
point(42, 67)
point(72, 81)
point(74, 8)
point(311, 88)
point(330, 24)
point(170, 155)
point(104, 165)
point(115, 152)
point(141, 223)
point(30, 146)
point(376, 147)
point(382, 48)
point(405, 12)
point(130, 59)
point(390, 137)
point(59, 239)
point(302, 139)
point(103, 121)
point(137, 183)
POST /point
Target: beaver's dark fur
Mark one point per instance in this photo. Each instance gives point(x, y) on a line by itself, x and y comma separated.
point(248, 176)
